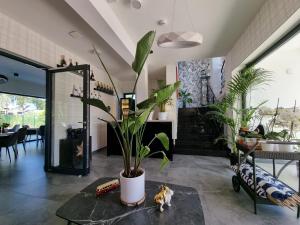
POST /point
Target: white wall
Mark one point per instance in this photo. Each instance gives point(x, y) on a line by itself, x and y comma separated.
point(172, 110)
point(18, 39)
point(267, 27)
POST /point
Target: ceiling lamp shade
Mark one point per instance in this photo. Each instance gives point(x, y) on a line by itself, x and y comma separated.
point(3, 79)
point(180, 39)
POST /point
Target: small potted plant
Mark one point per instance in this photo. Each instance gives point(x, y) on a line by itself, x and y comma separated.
point(185, 97)
point(252, 137)
point(270, 136)
point(130, 130)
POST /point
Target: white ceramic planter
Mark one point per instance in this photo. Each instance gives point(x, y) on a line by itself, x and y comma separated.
point(151, 116)
point(132, 189)
point(285, 147)
point(267, 147)
point(163, 115)
point(250, 141)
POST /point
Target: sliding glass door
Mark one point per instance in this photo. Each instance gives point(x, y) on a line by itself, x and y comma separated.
point(68, 142)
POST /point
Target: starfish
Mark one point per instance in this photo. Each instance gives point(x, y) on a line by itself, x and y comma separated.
point(79, 150)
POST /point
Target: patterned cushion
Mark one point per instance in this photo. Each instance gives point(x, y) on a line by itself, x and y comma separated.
point(268, 187)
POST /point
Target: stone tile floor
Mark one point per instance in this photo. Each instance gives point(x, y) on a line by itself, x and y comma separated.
point(29, 196)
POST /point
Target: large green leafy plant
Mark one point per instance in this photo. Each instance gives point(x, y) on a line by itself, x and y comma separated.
point(130, 129)
point(227, 112)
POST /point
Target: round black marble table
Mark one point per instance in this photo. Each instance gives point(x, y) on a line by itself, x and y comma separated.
point(85, 208)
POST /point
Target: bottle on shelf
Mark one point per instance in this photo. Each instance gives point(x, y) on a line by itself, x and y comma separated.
point(62, 61)
point(70, 62)
point(92, 76)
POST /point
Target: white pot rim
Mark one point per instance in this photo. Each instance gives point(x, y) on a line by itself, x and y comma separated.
point(129, 178)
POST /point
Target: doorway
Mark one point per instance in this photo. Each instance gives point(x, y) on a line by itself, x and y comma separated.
point(68, 120)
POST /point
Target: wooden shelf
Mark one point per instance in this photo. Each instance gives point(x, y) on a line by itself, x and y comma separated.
point(112, 94)
point(75, 96)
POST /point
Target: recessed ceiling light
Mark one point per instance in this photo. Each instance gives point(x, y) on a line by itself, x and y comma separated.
point(92, 51)
point(3, 79)
point(74, 34)
point(137, 4)
point(162, 22)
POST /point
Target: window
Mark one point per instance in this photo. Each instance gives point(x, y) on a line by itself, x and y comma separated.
point(284, 89)
point(23, 110)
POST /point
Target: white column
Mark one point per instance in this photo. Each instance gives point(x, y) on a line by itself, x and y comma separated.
point(142, 86)
point(172, 110)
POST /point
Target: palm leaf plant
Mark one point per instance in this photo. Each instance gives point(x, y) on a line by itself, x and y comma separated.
point(238, 87)
point(130, 129)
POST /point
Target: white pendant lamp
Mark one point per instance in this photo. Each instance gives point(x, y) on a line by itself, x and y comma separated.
point(185, 39)
point(180, 39)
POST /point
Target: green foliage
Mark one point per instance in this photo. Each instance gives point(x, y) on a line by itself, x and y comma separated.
point(97, 103)
point(238, 87)
point(133, 124)
point(142, 51)
point(163, 139)
point(185, 97)
point(253, 134)
point(19, 115)
point(248, 113)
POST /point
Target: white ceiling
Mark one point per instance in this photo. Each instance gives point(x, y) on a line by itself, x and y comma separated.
point(220, 21)
point(54, 20)
point(26, 72)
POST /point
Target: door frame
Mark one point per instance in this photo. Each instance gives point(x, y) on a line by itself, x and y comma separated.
point(86, 118)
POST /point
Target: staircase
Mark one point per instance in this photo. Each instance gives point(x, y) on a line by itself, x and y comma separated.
point(196, 133)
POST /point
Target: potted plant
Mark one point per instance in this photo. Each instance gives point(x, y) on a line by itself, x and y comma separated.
point(132, 126)
point(270, 136)
point(223, 111)
point(252, 137)
point(185, 97)
point(163, 114)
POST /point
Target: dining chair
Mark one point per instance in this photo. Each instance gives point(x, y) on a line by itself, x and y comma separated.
point(14, 129)
point(9, 141)
point(22, 132)
point(41, 133)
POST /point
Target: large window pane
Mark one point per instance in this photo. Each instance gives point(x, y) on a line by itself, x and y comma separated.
point(22, 110)
point(285, 67)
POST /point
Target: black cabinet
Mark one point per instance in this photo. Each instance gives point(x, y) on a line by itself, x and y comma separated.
point(152, 128)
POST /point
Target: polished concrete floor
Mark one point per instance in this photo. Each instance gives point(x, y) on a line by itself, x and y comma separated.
point(28, 196)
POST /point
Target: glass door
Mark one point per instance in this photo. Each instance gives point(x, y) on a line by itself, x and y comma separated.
point(67, 138)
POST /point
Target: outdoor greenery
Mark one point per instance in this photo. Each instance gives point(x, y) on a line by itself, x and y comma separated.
point(229, 111)
point(23, 110)
point(131, 128)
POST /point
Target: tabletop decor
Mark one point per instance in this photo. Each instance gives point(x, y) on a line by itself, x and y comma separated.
point(163, 197)
point(132, 126)
point(84, 208)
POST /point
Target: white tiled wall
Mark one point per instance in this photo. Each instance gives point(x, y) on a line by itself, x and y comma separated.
point(269, 18)
point(20, 40)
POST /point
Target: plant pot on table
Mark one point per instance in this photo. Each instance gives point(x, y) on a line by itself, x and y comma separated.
point(269, 147)
point(132, 189)
point(163, 115)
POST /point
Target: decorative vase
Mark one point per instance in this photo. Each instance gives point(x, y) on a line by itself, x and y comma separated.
point(183, 104)
point(163, 115)
point(132, 189)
